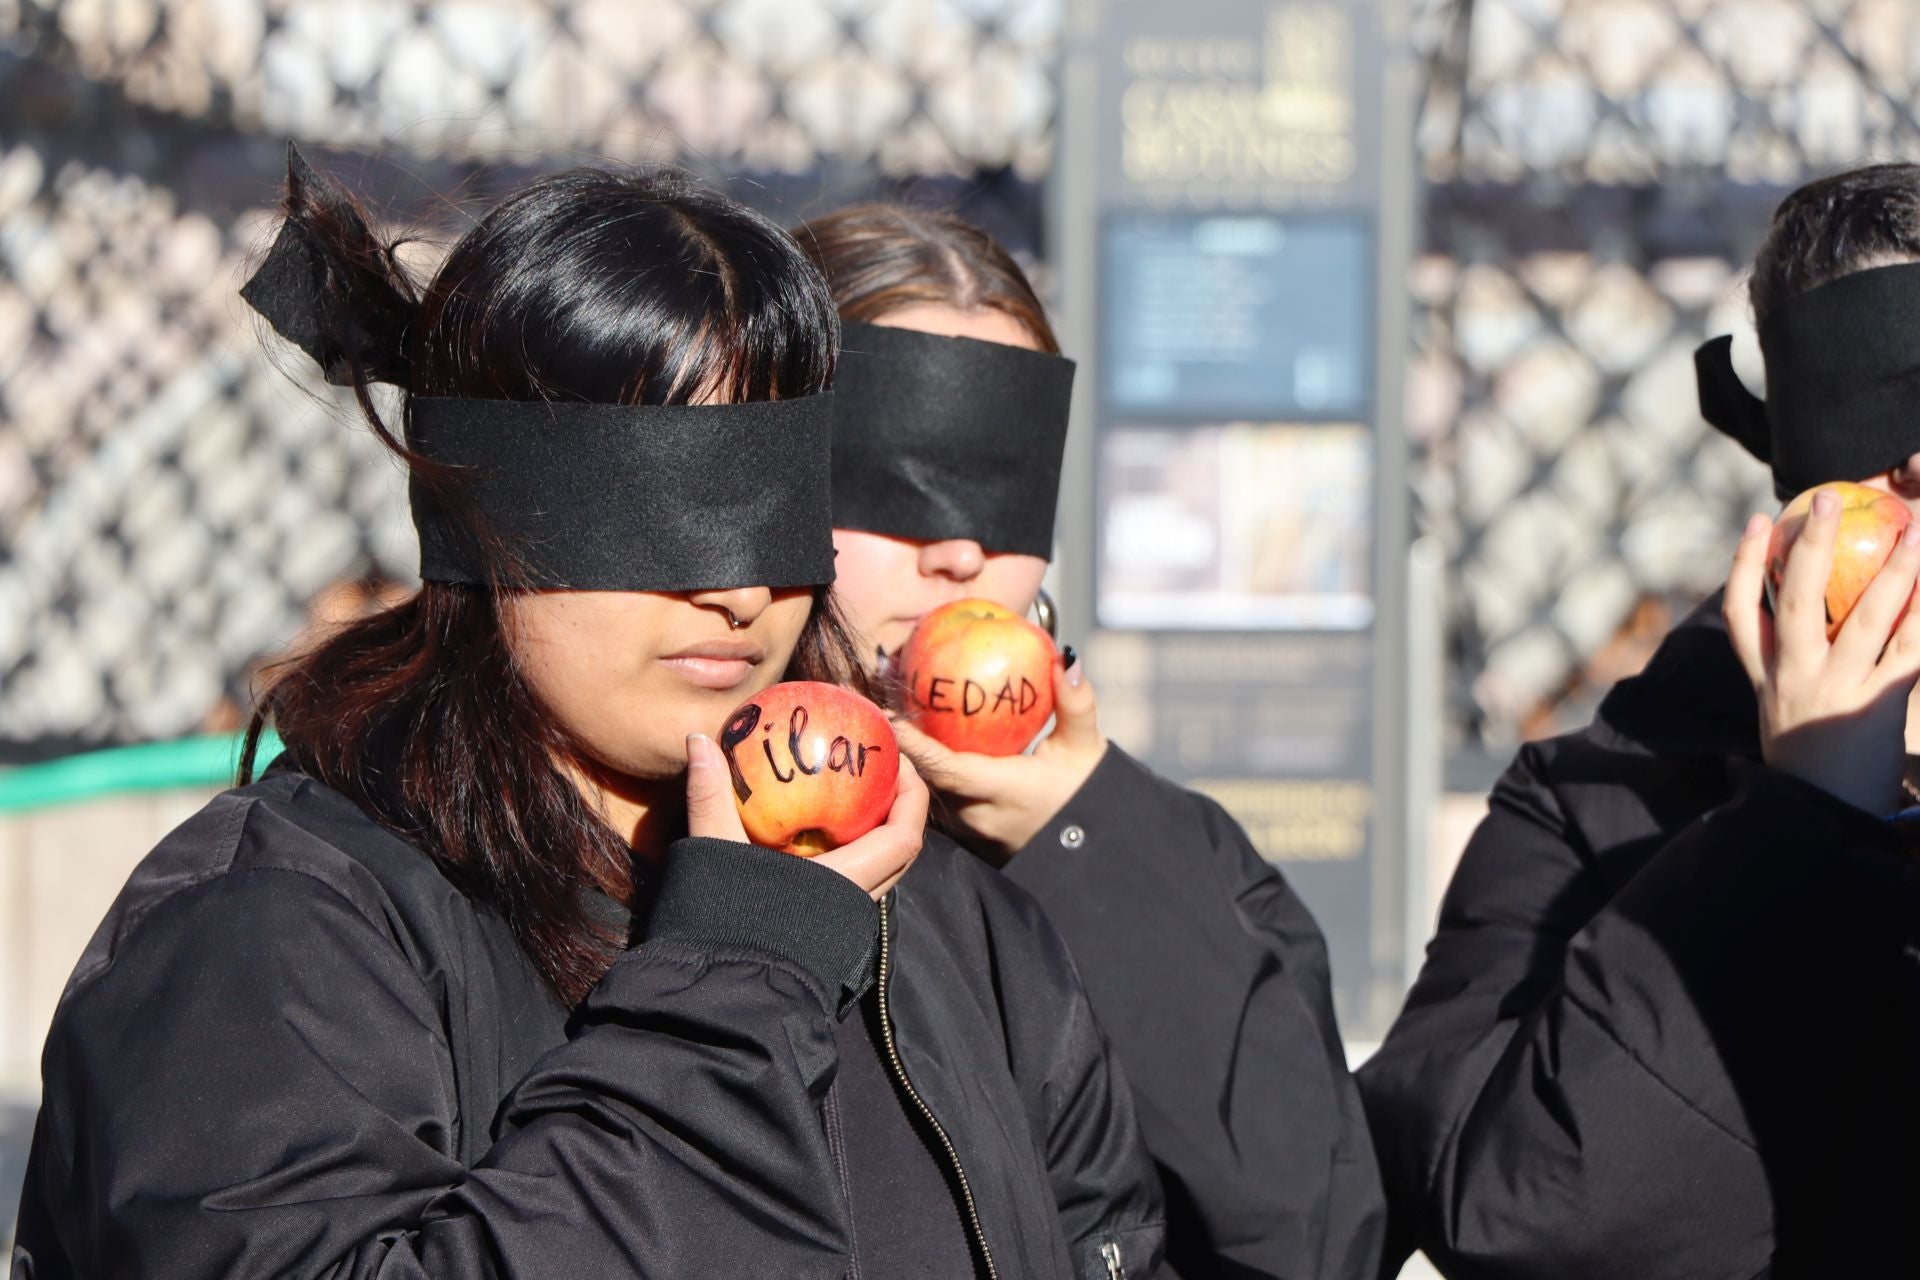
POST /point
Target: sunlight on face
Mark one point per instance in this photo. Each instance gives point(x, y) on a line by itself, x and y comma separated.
point(885, 584)
point(632, 673)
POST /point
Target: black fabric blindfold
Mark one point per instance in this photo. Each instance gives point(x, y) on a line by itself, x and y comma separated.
point(590, 497)
point(597, 497)
point(1843, 381)
point(939, 437)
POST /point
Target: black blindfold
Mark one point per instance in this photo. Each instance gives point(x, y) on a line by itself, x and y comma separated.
point(937, 438)
point(1843, 381)
point(592, 497)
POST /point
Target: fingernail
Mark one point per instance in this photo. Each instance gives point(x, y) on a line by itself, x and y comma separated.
point(1826, 504)
point(1075, 676)
point(1068, 655)
point(1755, 523)
point(1910, 536)
point(696, 754)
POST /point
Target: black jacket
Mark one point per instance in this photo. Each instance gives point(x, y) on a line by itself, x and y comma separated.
point(1211, 980)
point(1667, 1025)
point(295, 1049)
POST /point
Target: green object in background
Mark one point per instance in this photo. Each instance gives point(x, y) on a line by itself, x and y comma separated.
point(207, 762)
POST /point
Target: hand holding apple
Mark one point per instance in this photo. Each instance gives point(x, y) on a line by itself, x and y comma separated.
point(1000, 803)
point(1871, 523)
point(979, 678)
point(1833, 712)
point(813, 766)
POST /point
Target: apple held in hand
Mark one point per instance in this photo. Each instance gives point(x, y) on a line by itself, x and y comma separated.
point(814, 766)
point(1871, 522)
point(979, 677)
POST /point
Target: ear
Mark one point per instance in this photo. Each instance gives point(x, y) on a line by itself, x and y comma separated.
point(1904, 480)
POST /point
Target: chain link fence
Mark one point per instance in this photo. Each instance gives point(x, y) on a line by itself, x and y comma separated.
point(1598, 172)
point(173, 507)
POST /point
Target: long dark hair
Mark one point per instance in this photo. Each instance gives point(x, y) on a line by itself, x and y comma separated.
point(1835, 226)
point(881, 257)
point(588, 286)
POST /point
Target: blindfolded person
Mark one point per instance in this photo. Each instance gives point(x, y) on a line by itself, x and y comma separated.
point(482, 978)
point(1209, 975)
point(1668, 1024)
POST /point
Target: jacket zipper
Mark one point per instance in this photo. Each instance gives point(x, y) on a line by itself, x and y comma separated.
point(1110, 1254)
point(979, 1235)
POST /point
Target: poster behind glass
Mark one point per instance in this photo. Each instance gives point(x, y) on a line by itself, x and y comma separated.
point(1236, 461)
point(1243, 526)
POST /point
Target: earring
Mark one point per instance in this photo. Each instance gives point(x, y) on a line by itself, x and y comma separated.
point(1046, 613)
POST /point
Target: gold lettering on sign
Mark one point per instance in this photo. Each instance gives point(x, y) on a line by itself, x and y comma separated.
point(1297, 821)
point(1227, 110)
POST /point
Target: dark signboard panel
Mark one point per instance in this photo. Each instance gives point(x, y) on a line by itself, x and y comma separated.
point(1212, 315)
point(1246, 509)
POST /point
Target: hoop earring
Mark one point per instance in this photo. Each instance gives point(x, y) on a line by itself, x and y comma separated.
point(1046, 613)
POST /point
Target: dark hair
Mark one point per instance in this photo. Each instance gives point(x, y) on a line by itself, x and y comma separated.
point(879, 258)
point(1834, 227)
point(587, 286)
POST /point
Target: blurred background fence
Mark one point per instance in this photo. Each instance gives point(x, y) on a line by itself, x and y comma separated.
point(1598, 174)
point(172, 505)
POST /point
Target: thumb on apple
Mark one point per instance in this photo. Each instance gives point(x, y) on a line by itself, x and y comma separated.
point(710, 808)
point(1076, 712)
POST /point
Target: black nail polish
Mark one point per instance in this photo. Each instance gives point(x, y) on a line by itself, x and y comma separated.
point(1068, 655)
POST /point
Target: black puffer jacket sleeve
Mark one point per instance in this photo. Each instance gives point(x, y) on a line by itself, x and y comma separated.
point(257, 1084)
point(1210, 978)
point(1655, 1082)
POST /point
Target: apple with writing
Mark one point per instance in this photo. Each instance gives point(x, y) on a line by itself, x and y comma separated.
point(979, 677)
point(1871, 523)
point(814, 766)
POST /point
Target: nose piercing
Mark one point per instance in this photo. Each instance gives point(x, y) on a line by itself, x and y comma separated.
point(732, 622)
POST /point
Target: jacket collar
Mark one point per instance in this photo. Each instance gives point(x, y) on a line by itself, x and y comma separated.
point(1693, 698)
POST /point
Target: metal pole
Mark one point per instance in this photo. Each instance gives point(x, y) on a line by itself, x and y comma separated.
point(1072, 245)
point(1397, 817)
point(1426, 576)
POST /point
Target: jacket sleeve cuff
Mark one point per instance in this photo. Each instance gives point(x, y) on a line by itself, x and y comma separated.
point(717, 893)
point(1099, 808)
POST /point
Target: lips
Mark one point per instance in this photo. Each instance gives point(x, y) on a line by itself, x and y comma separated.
point(717, 664)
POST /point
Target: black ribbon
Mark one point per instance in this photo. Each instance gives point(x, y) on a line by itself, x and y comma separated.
point(1843, 381)
point(340, 319)
point(601, 497)
point(938, 438)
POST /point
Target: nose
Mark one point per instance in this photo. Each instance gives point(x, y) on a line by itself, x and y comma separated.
point(741, 604)
point(959, 559)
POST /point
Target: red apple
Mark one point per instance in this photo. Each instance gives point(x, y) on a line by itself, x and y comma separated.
point(979, 677)
point(814, 766)
point(1871, 523)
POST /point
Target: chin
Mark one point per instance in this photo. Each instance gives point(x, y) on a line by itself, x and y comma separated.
point(892, 639)
point(644, 763)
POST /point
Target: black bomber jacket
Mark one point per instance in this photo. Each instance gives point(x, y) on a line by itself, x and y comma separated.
point(295, 1048)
